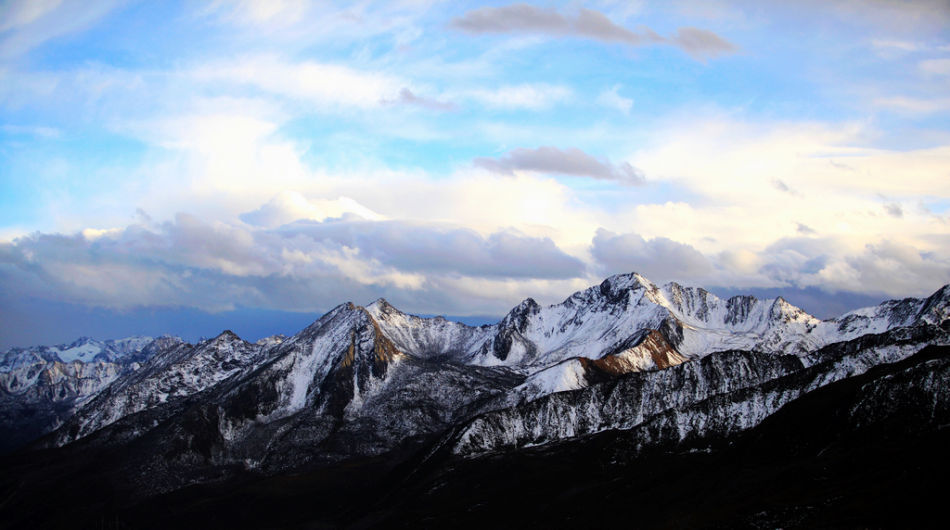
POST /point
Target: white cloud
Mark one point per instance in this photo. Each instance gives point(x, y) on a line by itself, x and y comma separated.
point(32, 130)
point(914, 105)
point(20, 13)
point(289, 206)
point(936, 67)
point(613, 100)
point(26, 24)
point(321, 84)
point(532, 96)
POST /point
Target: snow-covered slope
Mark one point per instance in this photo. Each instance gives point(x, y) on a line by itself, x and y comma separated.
point(364, 380)
point(716, 396)
point(427, 337)
point(176, 369)
point(598, 321)
point(42, 386)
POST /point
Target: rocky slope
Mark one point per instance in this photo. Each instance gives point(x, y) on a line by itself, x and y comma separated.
point(669, 365)
point(41, 387)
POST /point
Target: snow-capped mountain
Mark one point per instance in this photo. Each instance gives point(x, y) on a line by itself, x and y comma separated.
point(666, 364)
point(41, 386)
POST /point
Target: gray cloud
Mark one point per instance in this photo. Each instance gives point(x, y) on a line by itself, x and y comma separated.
point(701, 43)
point(414, 247)
point(894, 210)
point(587, 23)
point(890, 268)
point(781, 186)
point(570, 161)
point(513, 18)
point(805, 229)
point(407, 97)
point(301, 266)
point(660, 259)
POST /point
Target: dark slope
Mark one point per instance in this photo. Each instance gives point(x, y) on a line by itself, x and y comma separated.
point(869, 451)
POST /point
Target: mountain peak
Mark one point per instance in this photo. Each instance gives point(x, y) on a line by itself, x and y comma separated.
point(227, 335)
point(381, 304)
point(625, 282)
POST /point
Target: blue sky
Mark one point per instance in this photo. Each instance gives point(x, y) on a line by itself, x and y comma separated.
point(247, 159)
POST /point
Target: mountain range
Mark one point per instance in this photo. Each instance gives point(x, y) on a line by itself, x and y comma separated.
point(393, 419)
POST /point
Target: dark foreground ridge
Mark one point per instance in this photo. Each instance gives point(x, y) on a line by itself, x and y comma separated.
point(866, 451)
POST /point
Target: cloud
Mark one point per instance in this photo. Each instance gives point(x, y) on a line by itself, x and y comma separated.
point(532, 96)
point(407, 97)
point(894, 210)
point(513, 18)
point(587, 23)
point(431, 248)
point(613, 100)
point(31, 130)
point(781, 186)
point(21, 13)
point(289, 206)
point(914, 105)
point(26, 24)
point(701, 43)
point(888, 267)
point(306, 265)
point(570, 161)
point(804, 229)
point(936, 67)
point(660, 259)
point(280, 12)
point(325, 85)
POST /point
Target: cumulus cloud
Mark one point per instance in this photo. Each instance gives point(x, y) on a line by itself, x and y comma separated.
point(289, 206)
point(570, 161)
point(660, 258)
point(306, 265)
point(889, 267)
point(586, 23)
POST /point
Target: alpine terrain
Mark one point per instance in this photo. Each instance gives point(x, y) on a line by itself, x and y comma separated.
point(627, 402)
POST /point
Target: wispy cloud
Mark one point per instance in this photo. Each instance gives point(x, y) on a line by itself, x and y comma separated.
point(325, 85)
point(914, 105)
point(31, 130)
point(26, 24)
point(570, 161)
point(531, 96)
point(587, 23)
point(612, 99)
point(408, 97)
point(936, 67)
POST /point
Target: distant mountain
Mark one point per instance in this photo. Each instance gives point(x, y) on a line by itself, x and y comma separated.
point(669, 366)
point(42, 386)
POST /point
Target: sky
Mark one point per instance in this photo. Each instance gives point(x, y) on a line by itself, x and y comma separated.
point(172, 167)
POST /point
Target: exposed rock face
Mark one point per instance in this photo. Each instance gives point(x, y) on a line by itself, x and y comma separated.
point(716, 396)
point(41, 387)
point(668, 365)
